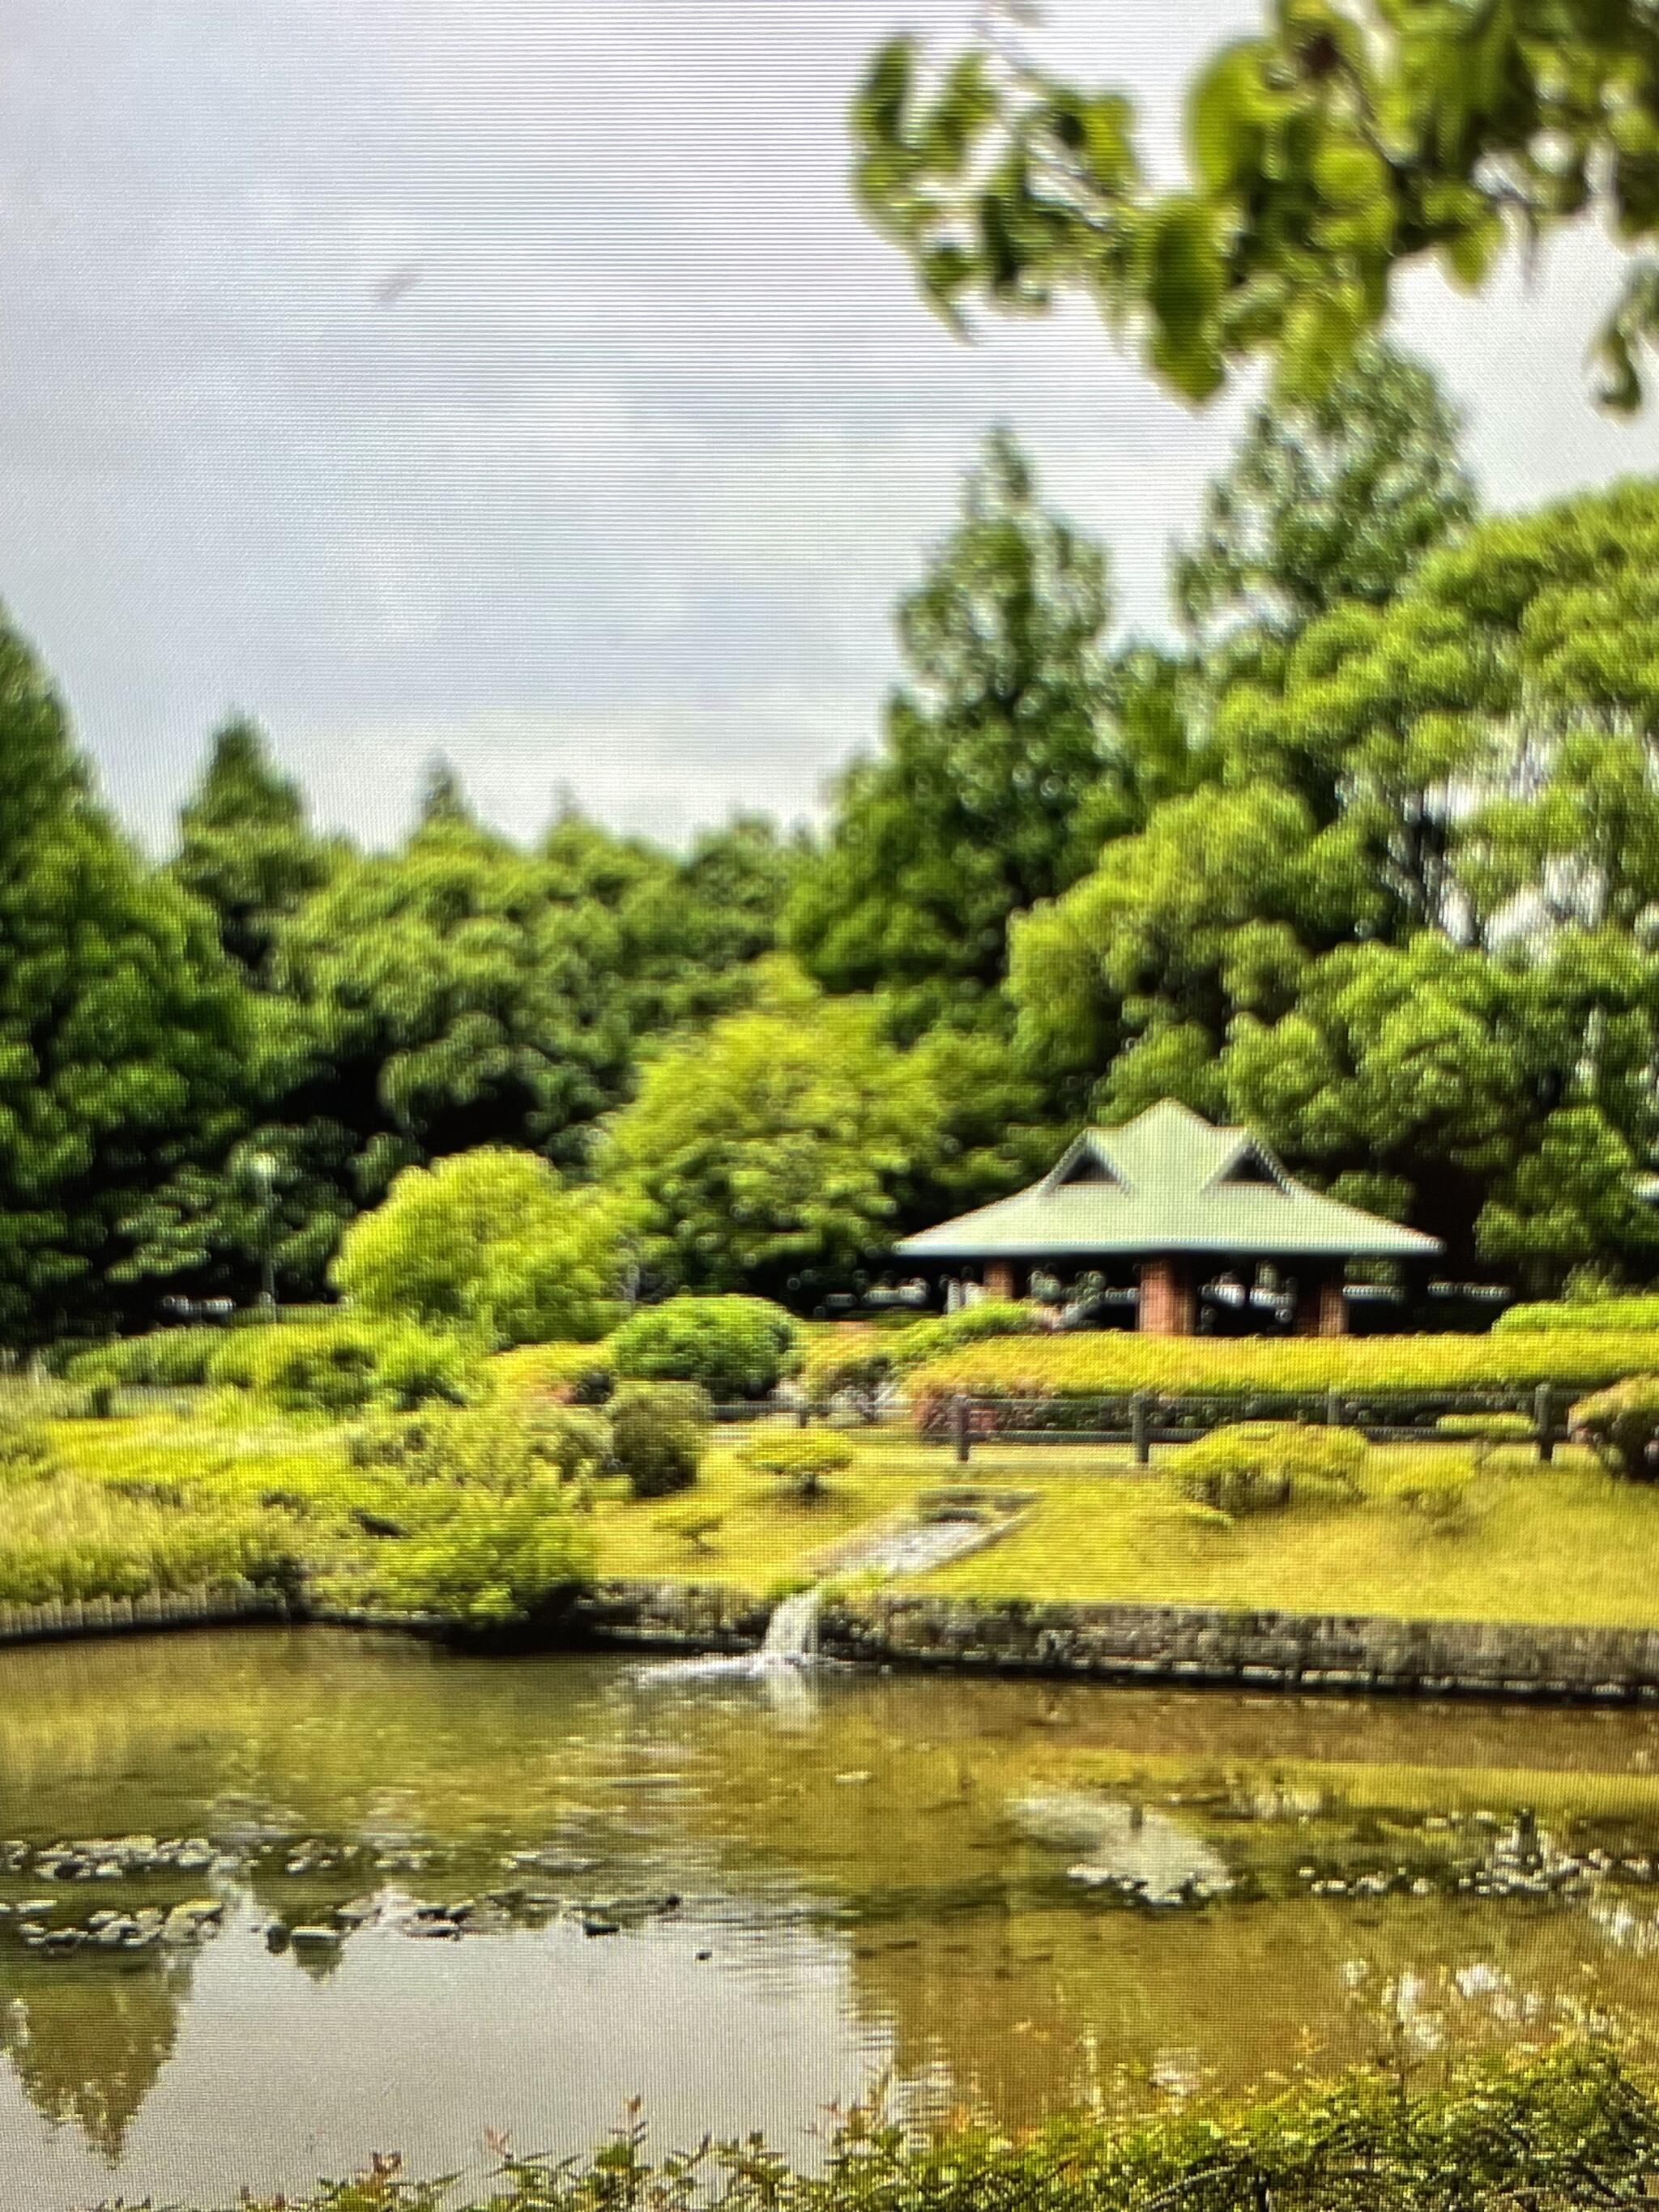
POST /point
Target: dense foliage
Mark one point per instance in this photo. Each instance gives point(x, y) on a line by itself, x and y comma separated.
point(490, 1242)
point(658, 1433)
point(331, 1368)
point(1337, 144)
point(1258, 1467)
point(1621, 1427)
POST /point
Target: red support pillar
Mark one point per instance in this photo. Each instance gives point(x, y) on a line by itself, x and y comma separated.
point(1321, 1309)
point(1168, 1297)
point(1000, 1279)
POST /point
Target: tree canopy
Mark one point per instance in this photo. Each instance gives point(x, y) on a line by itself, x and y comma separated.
point(1002, 767)
point(123, 1033)
point(1335, 147)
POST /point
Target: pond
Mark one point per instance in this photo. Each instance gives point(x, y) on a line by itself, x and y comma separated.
point(273, 1899)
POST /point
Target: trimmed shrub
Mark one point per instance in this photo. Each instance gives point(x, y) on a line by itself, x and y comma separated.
point(1637, 1312)
point(658, 1434)
point(858, 1371)
point(1435, 1488)
point(1621, 1427)
point(800, 1458)
point(735, 1347)
point(574, 1373)
point(345, 1367)
point(697, 1526)
point(166, 1358)
point(933, 1339)
point(1259, 1467)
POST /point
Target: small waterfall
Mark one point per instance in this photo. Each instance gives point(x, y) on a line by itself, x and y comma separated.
point(792, 1633)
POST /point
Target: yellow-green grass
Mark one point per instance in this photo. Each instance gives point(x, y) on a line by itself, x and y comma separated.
point(1560, 1544)
point(766, 1536)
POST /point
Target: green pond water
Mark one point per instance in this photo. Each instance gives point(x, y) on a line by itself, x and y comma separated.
point(746, 1899)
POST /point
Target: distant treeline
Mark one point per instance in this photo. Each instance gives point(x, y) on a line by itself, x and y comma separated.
point(1367, 855)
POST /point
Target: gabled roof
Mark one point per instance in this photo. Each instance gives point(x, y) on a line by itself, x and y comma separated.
point(1168, 1181)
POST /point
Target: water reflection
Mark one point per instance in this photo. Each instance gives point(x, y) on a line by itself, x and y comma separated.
point(434, 1894)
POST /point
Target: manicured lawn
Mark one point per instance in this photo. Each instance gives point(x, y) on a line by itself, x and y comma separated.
point(765, 1536)
point(1538, 1544)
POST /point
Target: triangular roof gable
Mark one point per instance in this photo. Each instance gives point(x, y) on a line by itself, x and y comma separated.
point(1087, 1160)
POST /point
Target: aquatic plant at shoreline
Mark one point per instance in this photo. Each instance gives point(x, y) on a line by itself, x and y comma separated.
point(1574, 2127)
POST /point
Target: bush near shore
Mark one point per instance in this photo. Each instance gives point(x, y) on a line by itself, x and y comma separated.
point(1573, 2127)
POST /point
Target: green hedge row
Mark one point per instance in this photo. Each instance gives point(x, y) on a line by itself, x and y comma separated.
point(1113, 1362)
point(1598, 1316)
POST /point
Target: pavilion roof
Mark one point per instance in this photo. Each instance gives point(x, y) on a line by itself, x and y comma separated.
point(1168, 1181)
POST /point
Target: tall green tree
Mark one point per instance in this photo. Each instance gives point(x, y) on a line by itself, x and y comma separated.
point(1330, 498)
point(1339, 143)
point(999, 771)
point(246, 848)
point(456, 993)
point(1410, 931)
point(124, 1032)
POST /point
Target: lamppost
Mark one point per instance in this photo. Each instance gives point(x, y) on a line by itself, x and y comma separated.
point(262, 1173)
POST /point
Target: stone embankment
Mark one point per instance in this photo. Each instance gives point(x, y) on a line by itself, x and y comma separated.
point(1239, 1647)
point(1258, 1650)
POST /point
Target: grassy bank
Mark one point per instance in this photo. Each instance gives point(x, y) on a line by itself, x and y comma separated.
point(1574, 2127)
point(155, 1505)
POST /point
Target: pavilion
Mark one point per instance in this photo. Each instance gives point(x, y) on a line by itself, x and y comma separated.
point(1171, 1202)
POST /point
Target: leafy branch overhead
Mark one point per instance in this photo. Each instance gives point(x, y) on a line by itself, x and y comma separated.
point(1335, 147)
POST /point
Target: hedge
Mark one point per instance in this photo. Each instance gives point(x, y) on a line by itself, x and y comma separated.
point(1109, 1362)
point(576, 1374)
point(1639, 1312)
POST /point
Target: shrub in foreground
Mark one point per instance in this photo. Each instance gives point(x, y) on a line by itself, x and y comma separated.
point(484, 1559)
point(735, 1347)
point(1258, 1467)
point(1621, 1427)
point(26, 1449)
point(658, 1435)
point(1571, 2128)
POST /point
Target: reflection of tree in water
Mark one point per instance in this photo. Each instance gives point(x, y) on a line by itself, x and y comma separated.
point(88, 2039)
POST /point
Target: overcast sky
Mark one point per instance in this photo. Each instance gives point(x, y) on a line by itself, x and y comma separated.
point(616, 491)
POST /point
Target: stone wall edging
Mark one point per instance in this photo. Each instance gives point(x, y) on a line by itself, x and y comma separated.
point(1255, 1648)
point(1242, 1648)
